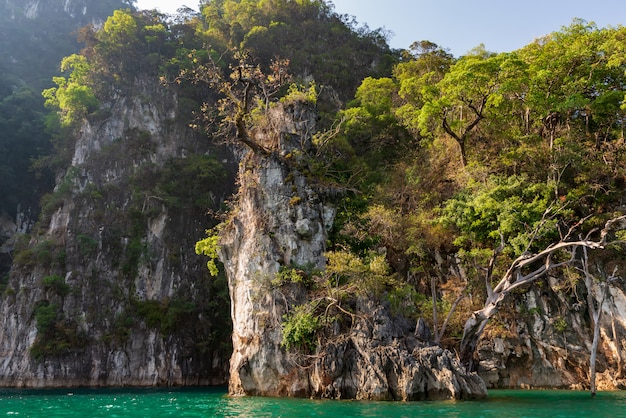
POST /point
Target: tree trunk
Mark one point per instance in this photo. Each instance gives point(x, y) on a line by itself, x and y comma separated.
point(594, 351)
point(473, 330)
point(433, 292)
point(618, 349)
point(595, 313)
point(463, 152)
point(442, 330)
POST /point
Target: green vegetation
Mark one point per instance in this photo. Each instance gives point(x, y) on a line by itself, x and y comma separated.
point(300, 328)
point(45, 253)
point(56, 284)
point(560, 325)
point(56, 335)
point(189, 182)
point(72, 96)
point(510, 208)
point(503, 149)
point(451, 164)
point(209, 247)
point(165, 316)
point(305, 275)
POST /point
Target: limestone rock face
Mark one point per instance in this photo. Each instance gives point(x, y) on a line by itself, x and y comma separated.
point(548, 342)
point(283, 219)
point(280, 220)
point(108, 290)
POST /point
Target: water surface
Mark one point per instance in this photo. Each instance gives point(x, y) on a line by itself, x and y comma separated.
point(213, 402)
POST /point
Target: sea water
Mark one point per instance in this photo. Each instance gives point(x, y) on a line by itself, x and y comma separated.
point(214, 402)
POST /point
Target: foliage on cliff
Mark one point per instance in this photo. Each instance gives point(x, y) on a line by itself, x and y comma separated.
point(123, 184)
point(444, 159)
point(455, 156)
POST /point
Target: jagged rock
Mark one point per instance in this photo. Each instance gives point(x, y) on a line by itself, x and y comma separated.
point(381, 360)
point(422, 332)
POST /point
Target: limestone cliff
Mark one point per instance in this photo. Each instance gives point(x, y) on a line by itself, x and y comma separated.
point(100, 291)
point(34, 37)
point(282, 219)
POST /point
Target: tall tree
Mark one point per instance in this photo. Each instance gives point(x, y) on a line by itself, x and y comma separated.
point(465, 95)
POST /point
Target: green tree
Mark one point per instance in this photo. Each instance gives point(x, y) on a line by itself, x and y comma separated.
point(318, 42)
point(424, 66)
point(463, 98)
point(573, 80)
point(502, 208)
point(72, 96)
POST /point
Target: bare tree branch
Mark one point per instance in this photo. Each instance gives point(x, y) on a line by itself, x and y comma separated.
point(516, 277)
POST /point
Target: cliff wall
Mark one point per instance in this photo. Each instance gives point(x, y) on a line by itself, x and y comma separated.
point(107, 290)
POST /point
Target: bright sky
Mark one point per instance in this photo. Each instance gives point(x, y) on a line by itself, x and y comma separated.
point(460, 25)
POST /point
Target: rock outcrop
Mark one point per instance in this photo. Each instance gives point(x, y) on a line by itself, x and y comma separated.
point(547, 342)
point(283, 219)
point(382, 359)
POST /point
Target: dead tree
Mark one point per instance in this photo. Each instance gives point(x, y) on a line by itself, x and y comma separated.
point(526, 269)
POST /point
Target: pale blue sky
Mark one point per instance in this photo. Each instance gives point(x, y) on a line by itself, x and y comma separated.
point(460, 25)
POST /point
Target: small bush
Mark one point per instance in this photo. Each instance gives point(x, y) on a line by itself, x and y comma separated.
point(25, 258)
point(46, 316)
point(56, 335)
point(560, 325)
point(405, 300)
point(44, 254)
point(209, 247)
point(165, 315)
point(87, 246)
point(295, 274)
point(120, 330)
point(56, 284)
point(300, 328)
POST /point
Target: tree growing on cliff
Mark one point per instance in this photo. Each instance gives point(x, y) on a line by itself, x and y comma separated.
point(595, 312)
point(73, 96)
point(244, 89)
point(527, 268)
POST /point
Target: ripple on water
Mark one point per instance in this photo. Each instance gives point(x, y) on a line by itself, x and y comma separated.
point(213, 402)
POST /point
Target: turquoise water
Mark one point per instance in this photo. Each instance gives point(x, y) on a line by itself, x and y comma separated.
point(213, 402)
